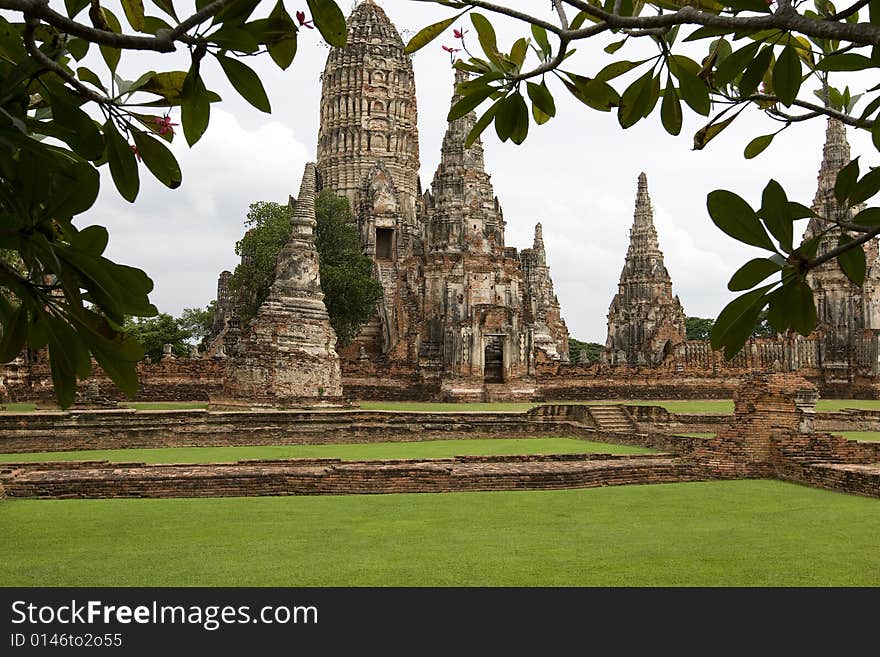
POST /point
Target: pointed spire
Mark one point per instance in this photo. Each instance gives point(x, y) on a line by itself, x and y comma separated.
point(835, 155)
point(539, 237)
point(643, 235)
point(304, 207)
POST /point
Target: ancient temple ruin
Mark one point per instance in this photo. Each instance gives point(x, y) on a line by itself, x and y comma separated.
point(286, 357)
point(645, 321)
point(459, 307)
point(847, 314)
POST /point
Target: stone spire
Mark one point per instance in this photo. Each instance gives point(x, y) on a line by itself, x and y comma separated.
point(842, 307)
point(645, 320)
point(368, 110)
point(463, 212)
point(286, 356)
point(538, 244)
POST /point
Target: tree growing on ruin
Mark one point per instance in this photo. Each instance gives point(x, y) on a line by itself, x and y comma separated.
point(350, 293)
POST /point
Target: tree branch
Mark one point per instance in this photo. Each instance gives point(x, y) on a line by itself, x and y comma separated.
point(849, 11)
point(164, 41)
point(865, 124)
point(836, 251)
point(55, 67)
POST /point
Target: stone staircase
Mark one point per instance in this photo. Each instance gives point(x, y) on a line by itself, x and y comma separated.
point(612, 417)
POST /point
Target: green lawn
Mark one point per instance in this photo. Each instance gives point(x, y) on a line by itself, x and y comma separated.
point(411, 450)
point(730, 533)
point(868, 436)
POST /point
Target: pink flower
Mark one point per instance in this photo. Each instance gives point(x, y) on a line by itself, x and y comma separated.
point(301, 17)
point(135, 151)
point(451, 50)
point(165, 125)
point(459, 34)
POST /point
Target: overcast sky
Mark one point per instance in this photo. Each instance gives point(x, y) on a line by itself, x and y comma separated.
point(576, 175)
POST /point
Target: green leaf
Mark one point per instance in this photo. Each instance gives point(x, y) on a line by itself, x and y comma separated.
point(615, 69)
point(87, 75)
point(799, 306)
point(91, 239)
point(72, 191)
point(612, 48)
point(707, 133)
point(329, 20)
point(635, 100)
point(755, 71)
point(670, 110)
point(799, 211)
point(232, 37)
point(246, 82)
point(595, 93)
point(134, 12)
point(846, 181)
point(848, 61)
point(693, 90)
point(787, 76)
point(75, 6)
point(469, 102)
point(865, 188)
point(521, 126)
point(481, 124)
point(195, 108)
point(868, 217)
point(79, 48)
point(852, 261)
point(123, 165)
point(14, 334)
point(168, 7)
point(486, 35)
point(111, 55)
point(758, 145)
point(282, 45)
point(752, 273)
point(737, 320)
point(542, 98)
point(736, 218)
point(734, 64)
point(518, 52)
point(159, 160)
point(540, 36)
point(776, 213)
point(427, 34)
point(80, 131)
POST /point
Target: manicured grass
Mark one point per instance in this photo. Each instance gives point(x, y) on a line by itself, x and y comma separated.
point(837, 404)
point(412, 450)
point(697, 434)
point(730, 533)
point(19, 407)
point(868, 436)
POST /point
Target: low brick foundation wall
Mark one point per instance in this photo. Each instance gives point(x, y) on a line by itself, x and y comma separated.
point(330, 476)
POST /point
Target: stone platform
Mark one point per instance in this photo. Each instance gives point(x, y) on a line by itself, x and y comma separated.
point(101, 479)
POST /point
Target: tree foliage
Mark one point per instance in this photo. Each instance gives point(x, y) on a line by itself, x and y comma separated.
point(61, 121)
point(350, 293)
point(592, 351)
point(155, 332)
point(198, 322)
point(699, 328)
point(768, 56)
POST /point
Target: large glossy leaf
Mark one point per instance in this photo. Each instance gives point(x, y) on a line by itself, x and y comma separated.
point(329, 20)
point(852, 261)
point(799, 306)
point(134, 12)
point(469, 102)
point(755, 71)
point(111, 55)
point(542, 98)
point(737, 218)
point(635, 100)
point(752, 273)
point(159, 160)
point(195, 108)
point(123, 165)
point(246, 82)
point(757, 146)
point(787, 76)
point(865, 188)
point(846, 181)
point(737, 320)
point(735, 64)
point(776, 212)
point(427, 34)
point(848, 61)
point(670, 109)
